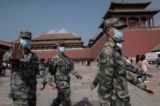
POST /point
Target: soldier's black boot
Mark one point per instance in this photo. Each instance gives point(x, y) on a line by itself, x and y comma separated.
point(56, 102)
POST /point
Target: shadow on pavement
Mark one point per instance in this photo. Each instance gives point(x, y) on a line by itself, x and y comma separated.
point(84, 102)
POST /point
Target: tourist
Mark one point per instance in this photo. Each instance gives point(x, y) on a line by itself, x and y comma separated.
point(138, 65)
point(127, 59)
point(88, 64)
point(97, 62)
point(158, 61)
point(145, 66)
point(3, 71)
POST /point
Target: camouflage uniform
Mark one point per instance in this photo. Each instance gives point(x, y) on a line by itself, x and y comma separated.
point(60, 67)
point(23, 76)
point(112, 76)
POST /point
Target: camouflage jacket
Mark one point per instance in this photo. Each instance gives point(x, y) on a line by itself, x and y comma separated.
point(112, 76)
point(23, 75)
point(60, 67)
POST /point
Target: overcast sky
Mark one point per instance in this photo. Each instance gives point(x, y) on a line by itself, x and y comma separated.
point(81, 17)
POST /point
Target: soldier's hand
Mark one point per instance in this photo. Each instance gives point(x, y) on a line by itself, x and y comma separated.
point(150, 75)
point(92, 86)
point(42, 87)
point(16, 50)
point(53, 85)
point(150, 91)
point(79, 76)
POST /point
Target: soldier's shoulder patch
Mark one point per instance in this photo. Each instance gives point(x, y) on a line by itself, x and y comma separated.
point(106, 52)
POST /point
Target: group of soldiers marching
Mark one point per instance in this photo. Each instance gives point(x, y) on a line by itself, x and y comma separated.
point(111, 78)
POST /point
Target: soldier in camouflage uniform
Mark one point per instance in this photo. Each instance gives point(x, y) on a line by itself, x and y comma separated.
point(112, 76)
point(25, 67)
point(60, 67)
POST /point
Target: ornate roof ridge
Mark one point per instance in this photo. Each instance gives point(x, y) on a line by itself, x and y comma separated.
point(56, 36)
point(149, 10)
point(126, 2)
point(143, 28)
point(52, 42)
point(57, 33)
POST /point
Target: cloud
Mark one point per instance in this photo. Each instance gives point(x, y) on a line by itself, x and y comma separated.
point(55, 31)
point(63, 31)
point(52, 31)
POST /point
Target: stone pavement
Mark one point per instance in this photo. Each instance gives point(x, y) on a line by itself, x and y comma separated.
point(82, 95)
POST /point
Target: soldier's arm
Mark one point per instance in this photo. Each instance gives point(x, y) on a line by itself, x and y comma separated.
point(135, 81)
point(73, 71)
point(6, 58)
point(107, 65)
point(45, 75)
point(134, 69)
point(96, 80)
point(42, 71)
point(53, 65)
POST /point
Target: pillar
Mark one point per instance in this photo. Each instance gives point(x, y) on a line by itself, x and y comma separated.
point(127, 21)
point(148, 21)
point(153, 21)
point(139, 22)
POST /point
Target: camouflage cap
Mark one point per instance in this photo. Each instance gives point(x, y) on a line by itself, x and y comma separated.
point(25, 34)
point(113, 22)
point(60, 42)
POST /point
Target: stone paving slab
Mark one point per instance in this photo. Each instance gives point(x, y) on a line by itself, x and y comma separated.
point(82, 95)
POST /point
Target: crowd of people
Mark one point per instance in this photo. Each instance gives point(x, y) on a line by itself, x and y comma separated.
point(3, 67)
point(142, 63)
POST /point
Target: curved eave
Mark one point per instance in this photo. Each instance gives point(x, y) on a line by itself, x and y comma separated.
point(55, 39)
point(53, 43)
point(113, 4)
point(132, 3)
point(130, 11)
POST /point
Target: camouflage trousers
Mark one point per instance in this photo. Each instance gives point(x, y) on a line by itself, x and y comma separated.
point(63, 96)
point(116, 102)
point(25, 102)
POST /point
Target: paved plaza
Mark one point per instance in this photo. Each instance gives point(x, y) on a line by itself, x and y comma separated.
point(82, 95)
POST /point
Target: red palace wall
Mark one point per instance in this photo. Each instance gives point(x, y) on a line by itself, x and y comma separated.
point(71, 54)
point(91, 53)
point(140, 42)
point(94, 51)
point(136, 42)
point(45, 55)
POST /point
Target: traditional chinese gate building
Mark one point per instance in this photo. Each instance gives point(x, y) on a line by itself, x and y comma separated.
point(140, 37)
